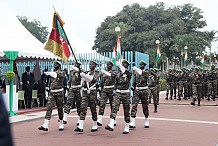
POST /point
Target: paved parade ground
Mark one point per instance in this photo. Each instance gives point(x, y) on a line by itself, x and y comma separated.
point(176, 124)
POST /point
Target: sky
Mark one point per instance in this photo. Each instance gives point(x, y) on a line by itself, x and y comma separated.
point(82, 17)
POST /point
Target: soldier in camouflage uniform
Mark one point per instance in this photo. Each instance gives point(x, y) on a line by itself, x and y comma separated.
point(107, 84)
point(183, 84)
point(152, 85)
point(89, 94)
point(170, 78)
point(140, 85)
point(204, 84)
point(196, 88)
point(74, 91)
point(56, 96)
point(212, 76)
point(122, 95)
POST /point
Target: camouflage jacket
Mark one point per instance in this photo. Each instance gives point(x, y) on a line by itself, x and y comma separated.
point(58, 82)
point(123, 80)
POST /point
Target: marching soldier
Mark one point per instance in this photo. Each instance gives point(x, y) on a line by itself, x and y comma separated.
point(152, 85)
point(122, 95)
point(170, 78)
point(140, 85)
point(89, 94)
point(55, 96)
point(196, 88)
point(107, 86)
point(74, 91)
point(212, 83)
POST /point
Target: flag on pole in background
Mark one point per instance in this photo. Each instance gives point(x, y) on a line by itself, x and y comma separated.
point(215, 60)
point(158, 53)
point(58, 41)
point(114, 57)
point(119, 56)
point(202, 59)
point(186, 56)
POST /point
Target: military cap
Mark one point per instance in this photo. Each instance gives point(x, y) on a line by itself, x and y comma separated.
point(110, 62)
point(57, 61)
point(94, 61)
point(124, 60)
point(143, 62)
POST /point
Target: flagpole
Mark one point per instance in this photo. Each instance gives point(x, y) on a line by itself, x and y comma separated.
point(67, 38)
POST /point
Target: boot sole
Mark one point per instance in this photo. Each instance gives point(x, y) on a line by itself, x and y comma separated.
point(109, 128)
point(43, 129)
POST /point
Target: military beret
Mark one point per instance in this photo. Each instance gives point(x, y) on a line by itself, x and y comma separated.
point(57, 61)
point(143, 62)
point(110, 62)
point(124, 60)
point(94, 62)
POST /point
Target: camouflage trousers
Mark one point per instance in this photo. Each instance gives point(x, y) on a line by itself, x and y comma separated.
point(212, 90)
point(154, 92)
point(125, 99)
point(74, 93)
point(196, 89)
point(183, 85)
point(89, 100)
point(204, 88)
point(55, 98)
point(170, 89)
point(105, 95)
point(143, 96)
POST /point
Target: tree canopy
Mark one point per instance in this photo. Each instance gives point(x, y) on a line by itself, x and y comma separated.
point(35, 28)
point(175, 27)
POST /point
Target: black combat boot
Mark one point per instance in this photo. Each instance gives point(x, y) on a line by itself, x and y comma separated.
point(193, 102)
point(167, 96)
point(155, 109)
point(199, 102)
point(171, 97)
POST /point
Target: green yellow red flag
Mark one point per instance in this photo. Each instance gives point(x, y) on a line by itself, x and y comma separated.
point(58, 42)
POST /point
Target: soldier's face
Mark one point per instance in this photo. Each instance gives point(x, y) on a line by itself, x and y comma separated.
point(56, 66)
point(92, 65)
point(142, 66)
point(109, 65)
point(125, 64)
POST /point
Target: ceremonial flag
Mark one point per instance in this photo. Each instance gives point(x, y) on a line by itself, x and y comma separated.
point(58, 41)
point(158, 53)
point(202, 59)
point(118, 49)
point(114, 57)
point(186, 56)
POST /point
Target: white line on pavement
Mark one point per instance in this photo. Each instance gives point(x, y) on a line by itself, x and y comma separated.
point(165, 119)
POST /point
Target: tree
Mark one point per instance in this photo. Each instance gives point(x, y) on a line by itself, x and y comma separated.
point(35, 28)
point(175, 27)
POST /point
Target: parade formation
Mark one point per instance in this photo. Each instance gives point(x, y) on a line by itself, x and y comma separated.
point(94, 88)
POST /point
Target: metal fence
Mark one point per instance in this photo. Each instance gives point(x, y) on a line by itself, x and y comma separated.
point(101, 58)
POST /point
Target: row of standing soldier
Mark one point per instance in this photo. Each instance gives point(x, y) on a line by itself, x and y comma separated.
point(197, 84)
point(113, 85)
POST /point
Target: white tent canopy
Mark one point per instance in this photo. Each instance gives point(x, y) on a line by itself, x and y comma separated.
point(15, 37)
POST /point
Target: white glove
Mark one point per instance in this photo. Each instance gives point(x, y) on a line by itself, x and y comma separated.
point(105, 72)
point(75, 68)
point(139, 71)
point(122, 68)
point(86, 77)
point(98, 95)
point(52, 74)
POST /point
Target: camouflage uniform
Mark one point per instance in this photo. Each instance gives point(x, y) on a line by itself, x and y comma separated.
point(204, 84)
point(122, 95)
point(152, 85)
point(183, 84)
point(212, 83)
point(56, 96)
point(196, 80)
point(170, 78)
point(74, 93)
point(89, 96)
point(141, 93)
point(108, 85)
point(89, 99)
